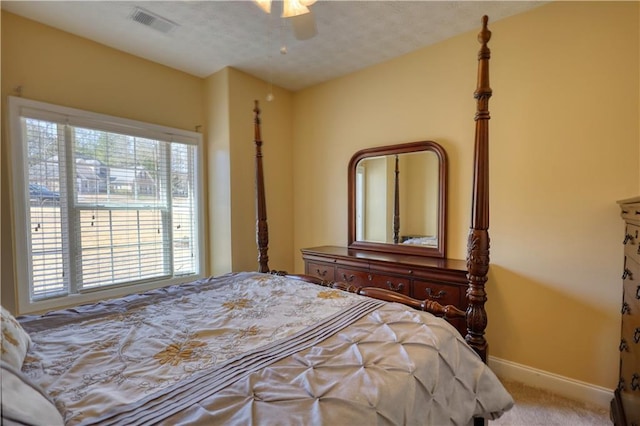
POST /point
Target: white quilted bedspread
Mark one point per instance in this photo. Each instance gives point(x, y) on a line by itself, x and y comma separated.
point(242, 349)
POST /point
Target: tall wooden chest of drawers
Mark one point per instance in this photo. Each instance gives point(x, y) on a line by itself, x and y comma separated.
point(441, 280)
point(626, 405)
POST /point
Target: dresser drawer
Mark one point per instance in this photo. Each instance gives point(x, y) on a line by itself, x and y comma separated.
point(323, 271)
point(630, 371)
point(630, 211)
point(631, 300)
point(389, 282)
point(632, 242)
point(371, 279)
point(357, 277)
point(630, 337)
point(631, 332)
point(441, 293)
point(631, 288)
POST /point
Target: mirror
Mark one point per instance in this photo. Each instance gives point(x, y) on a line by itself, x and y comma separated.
point(397, 199)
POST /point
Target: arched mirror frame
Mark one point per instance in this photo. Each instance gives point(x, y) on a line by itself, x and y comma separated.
point(440, 250)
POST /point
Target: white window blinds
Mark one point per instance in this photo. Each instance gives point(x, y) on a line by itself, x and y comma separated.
point(48, 244)
point(107, 205)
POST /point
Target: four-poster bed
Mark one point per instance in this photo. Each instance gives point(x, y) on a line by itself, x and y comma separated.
point(477, 264)
point(262, 348)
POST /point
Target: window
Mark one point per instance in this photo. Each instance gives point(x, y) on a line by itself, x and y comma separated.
point(101, 203)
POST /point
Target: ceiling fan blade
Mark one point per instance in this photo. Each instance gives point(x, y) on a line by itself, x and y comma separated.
point(304, 26)
point(264, 5)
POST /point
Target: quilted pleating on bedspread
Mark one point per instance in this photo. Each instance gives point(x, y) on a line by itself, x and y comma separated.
point(243, 349)
point(393, 367)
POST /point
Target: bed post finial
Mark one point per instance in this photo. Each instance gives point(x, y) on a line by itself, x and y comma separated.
point(478, 244)
point(262, 230)
point(256, 121)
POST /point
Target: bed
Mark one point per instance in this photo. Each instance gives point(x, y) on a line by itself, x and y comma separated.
point(423, 240)
point(263, 347)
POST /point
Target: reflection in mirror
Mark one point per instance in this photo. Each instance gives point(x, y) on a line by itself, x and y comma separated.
point(386, 215)
point(397, 201)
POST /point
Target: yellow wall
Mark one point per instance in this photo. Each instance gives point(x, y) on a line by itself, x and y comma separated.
point(564, 148)
point(218, 171)
point(229, 100)
point(419, 178)
point(277, 149)
point(376, 208)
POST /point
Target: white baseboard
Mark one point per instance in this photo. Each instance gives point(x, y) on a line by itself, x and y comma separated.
point(569, 388)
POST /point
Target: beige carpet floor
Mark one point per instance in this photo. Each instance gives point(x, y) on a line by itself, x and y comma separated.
point(538, 407)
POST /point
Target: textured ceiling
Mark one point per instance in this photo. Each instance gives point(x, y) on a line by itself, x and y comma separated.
point(211, 35)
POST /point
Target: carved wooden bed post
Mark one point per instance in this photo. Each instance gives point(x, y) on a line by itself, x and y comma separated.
point(396, 204)
point(262, 230)
point(478, 244)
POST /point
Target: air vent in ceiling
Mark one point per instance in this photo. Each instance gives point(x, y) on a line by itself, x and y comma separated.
point(152, 20)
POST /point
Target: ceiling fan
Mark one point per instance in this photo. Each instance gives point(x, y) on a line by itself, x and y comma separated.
point(298, 13)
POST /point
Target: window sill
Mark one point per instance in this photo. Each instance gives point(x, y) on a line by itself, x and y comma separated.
point(41, 306)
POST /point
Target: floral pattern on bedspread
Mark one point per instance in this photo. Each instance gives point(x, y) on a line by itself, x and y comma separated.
point(165, 336)
point(389, 365)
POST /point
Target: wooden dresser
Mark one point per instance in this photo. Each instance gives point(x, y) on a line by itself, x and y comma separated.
point(625, 408)
point(442, 280)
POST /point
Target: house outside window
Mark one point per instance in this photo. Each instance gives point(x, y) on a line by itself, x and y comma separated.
point(101, 204)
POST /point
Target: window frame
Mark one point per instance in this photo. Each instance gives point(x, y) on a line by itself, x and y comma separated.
point(19, 174)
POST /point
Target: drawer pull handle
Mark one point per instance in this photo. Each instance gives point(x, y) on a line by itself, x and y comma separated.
point(637, 211)
point(624, 346)
point(635, 381)
point(369, 277)
point(626, 309)
point(320, 273)
point(636, 335)
point(430, 294)
point(625, 211)
point(621, 384)
point(399, 287)
point(348, 279)
point(627, 274)
point(627, 238)
point(638, 293)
